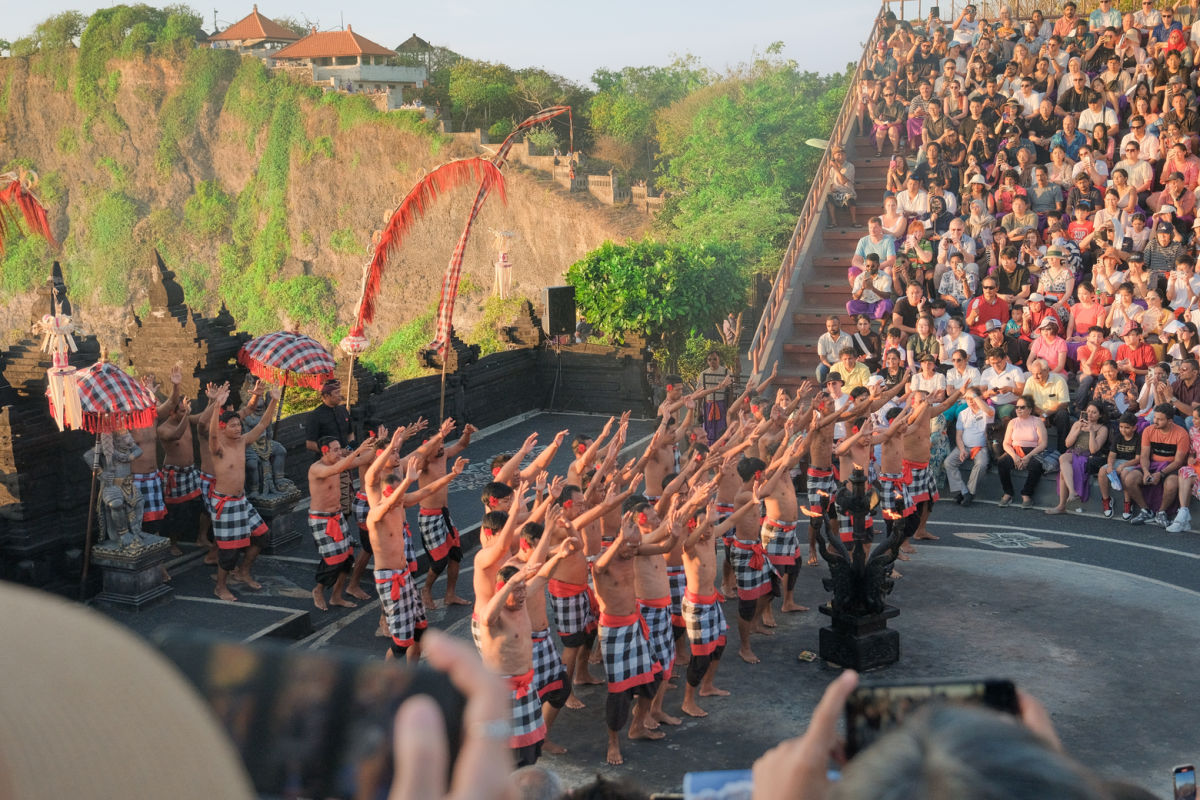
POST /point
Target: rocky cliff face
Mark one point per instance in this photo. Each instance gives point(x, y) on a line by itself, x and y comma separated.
point(260, 193)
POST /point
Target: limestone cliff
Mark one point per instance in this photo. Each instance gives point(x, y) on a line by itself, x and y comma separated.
point(260, 193)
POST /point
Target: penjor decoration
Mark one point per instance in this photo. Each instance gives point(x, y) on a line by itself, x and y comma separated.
point(17, 194)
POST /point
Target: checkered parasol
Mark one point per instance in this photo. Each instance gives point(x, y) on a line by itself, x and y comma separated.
point(287, 359)
point(110, 399)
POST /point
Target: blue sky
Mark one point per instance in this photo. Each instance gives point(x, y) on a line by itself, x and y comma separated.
point(572, 39)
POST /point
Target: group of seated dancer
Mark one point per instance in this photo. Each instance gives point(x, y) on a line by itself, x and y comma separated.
point(1037, 251)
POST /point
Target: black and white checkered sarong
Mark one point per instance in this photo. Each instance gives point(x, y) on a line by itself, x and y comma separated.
point(528, 727)
point(234, 520)
point(151, 486)
point(628, 658)
point(180, 484)
point(895, 500)
point(678, 579)
point(572, 607)
point(401, 603)
point(662, 637)
point(705, 620)
point(780, 542)
point(549, 672)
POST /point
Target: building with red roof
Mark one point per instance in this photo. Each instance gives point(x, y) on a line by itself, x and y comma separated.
point(347, 61)
point(254, 32)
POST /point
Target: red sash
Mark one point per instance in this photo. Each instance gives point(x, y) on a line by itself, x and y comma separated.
point(657, 602)
point(613, 621)
point(519, 684)
point(397, 579)
point(758, 559)
point(562, 589)
point(715, 597)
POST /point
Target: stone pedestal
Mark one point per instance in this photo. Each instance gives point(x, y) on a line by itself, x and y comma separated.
point(132, 576)
point(860, 642)
point(286, 525)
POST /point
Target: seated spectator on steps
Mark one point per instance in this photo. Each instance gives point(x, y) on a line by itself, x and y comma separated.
point(970, 444)
point(872, 291)
point(1086, 452)
point(1051, 399)
point(1024, 441)
point(1152, 487)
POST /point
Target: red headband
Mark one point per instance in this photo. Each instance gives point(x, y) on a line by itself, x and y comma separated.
point(221, 425)
point(692, 523)
point(526, 546)
point(324, 447)
point(568, 503)
point(758, 474)
point(581, 448)
point(495, 471)
point(387, 490)
point(492, 501)
point(641, 518)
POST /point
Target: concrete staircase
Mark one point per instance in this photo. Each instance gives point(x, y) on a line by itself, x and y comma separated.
point(824, 287)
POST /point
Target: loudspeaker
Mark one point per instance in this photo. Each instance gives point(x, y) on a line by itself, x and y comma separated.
point(560, 310)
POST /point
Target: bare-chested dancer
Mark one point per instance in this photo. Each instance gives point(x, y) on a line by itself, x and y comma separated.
point(506, 644)
point(181, 481)
point(702, 612)
point(146, 474)
point(658, 537)
point(756, 578)
point(204, 421)
point(506, 469)
point(394, 580)
point(915, 443)
point(821, 482)
point(497, 544)
point(237, 527)
point(629, 661)
point(550, 678)
point(438, 533)
point(325, 519)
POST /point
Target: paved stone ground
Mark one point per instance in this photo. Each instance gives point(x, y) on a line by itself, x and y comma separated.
point(1086, 613)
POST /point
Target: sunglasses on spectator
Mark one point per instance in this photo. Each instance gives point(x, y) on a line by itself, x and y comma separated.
point(1022, 408)
point(957, 360)
point(989, 287)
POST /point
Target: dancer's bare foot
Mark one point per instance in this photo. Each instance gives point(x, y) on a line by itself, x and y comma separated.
point(241, 576)
point(790, 605)
point(211, 558)
point(166, 576)
point(318, 594)
point(812, 557)
point(575, 703)
point(550, 748)
point(908, 547)
point(748, 655)
point(902, 556)
point(768, 621)
point(614, 755)
point(427, 598)
point(690, 708)
point(357, 592)
point(712, 691)
point(382, 631)
point(342, 602)
point(455, 600)
point(587, 679)
point(896, 573)
point(925, 535)
point(644, 731)
point(764, 631)
point(224, 593)
point(665, 718)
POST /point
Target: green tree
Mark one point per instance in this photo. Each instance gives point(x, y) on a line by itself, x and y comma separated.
point(480, 87)
point(626, 101)
point(664, 291)
point(733, 158)
point(296, 26)
point(60, 31)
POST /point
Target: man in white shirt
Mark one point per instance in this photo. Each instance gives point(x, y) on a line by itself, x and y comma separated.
point(955, 241)
point(1148, 18)
point(913, 202)
point(1096, 114)
point(872, 291)
point(961, 374)
point(1147, 142)
point(966, 26)
point(829, 346)
point(970, 445)
point(1002, 382)
point(1027, 98)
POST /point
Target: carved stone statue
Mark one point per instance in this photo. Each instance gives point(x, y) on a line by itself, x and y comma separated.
point(119, 502)
point(860, 576)
point(266, 478)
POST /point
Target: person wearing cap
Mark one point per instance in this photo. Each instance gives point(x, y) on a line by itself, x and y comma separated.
point(1176, 194)
point(1134, 357)
point(1049, 346)
point(872, 291)
point(1097, 113)
point(841, 186)
point(1056, 281)
point(927, 379)
point(1164, 249)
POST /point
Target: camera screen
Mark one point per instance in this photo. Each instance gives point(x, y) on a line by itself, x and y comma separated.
point(1185, 784)
point(873, 710)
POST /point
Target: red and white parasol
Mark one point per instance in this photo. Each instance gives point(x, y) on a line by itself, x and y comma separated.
point(286, 358)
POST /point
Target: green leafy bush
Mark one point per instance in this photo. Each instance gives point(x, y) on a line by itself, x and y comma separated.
point(209, 211)
point(500, 130)
point(205, 72)
point(396, 356)
point(486, 332)
point(346, 242)
point(663, 291)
